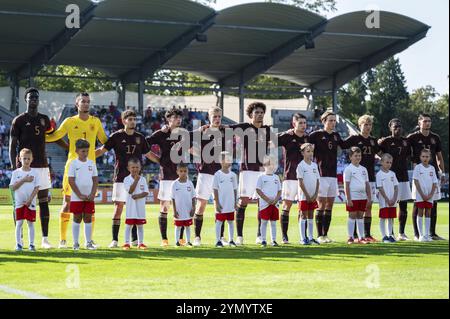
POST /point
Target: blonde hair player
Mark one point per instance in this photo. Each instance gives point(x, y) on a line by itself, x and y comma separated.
point(206, 170)
point(369, 150)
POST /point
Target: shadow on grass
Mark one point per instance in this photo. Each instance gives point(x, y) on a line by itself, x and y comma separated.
point(252, 252)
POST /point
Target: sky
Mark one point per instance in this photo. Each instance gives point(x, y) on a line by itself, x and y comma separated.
point(424, 63)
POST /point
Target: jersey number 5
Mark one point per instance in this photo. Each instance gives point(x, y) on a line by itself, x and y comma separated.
point(37, 130)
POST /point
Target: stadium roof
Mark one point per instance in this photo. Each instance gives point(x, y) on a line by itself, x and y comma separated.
point(132, 39)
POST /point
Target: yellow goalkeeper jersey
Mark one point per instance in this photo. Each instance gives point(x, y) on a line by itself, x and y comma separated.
point(75, 129)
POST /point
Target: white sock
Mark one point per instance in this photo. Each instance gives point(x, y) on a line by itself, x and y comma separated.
point(128, 233)
point(76, 232)
point(177, 234)
point(391, 226)
point(383, 227)
point(310, 229)
point(302, 229)
point(360, 228)
point(427, 226)
point(264, 229)
point(230, 230)
point(273, 230)
point(188, 233)
point(88, 232)
point(140, 233)
point(351, 227)
point(420, 225)
point(31, 232)
point(19, 225)
point(218, 230)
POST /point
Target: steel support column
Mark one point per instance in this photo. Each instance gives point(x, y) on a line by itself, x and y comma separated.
point(141, 97)
point(241, 103)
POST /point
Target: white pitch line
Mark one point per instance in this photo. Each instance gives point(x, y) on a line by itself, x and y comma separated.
point(26, 294)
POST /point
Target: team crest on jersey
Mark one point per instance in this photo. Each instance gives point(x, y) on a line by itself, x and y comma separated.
point(372, 142)
point(138, 140)
point(43, 122)
point(392, 178)
point(92, 127)
point(335, 138)
point(142, 187)
point(189, 189)
point(431, 174)
point(314, 171)
point(405, 143)
point(90, 168)
point(433, 141)
point(28, 124)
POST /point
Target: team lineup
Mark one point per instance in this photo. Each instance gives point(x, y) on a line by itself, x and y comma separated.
point(309, 177)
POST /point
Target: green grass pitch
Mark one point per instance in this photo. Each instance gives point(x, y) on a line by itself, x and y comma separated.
point(402, 270)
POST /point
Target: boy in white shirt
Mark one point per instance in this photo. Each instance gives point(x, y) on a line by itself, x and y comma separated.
point(183, 199)
point(424, 189)
point(225, 187)
point(83, 180)
point(387, 185)
point(137, 191)
point(268, 188)
point(358, 193)
point(25, 185)
point(308, 181)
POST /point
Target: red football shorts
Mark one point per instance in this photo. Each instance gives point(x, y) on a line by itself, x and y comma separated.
point(82, 208)
point(181, 223)
point(305, 206)
point(24, 213)
point(424, 205)
point(270, 213)
point(221, 217)
point(358, 206)
point(135, 221)
point(388, 212)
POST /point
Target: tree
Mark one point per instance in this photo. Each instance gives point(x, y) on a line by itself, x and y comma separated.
point(3, 81)
point(352, 99)
point(72, 84)
point(387, 94)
